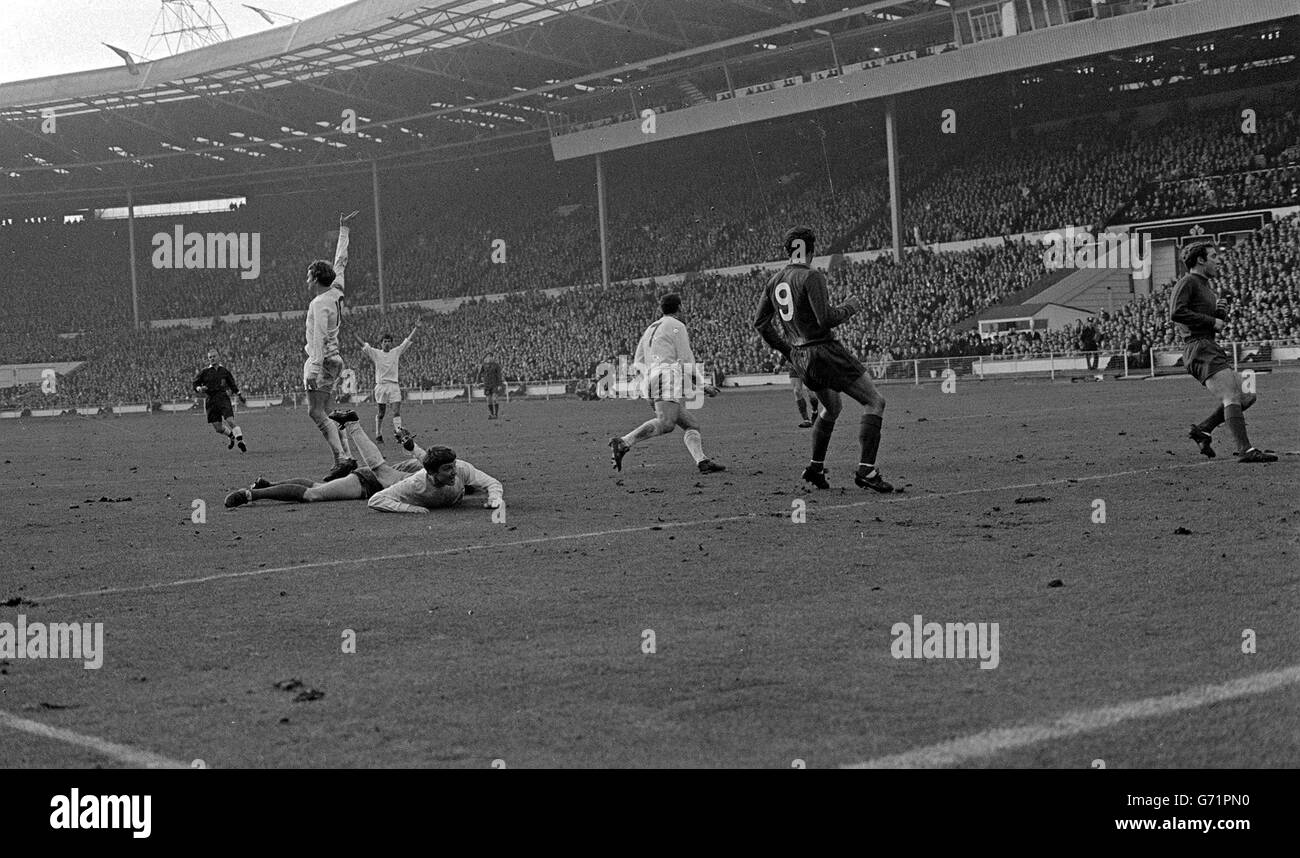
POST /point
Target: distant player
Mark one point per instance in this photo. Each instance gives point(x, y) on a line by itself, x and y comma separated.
point(443, 481)
point(216, 383)
point(665, 358)
point(387, 389)
point(804, 399)
point(796, 296)
point(371, 476)
point(1198, 314)
point(324, 363)
point(489, 375)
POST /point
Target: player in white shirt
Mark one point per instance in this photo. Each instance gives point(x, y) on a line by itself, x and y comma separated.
point(387, 389)
point(666, 362)
point(372, 475)
point(444, 482)
point(324, 362)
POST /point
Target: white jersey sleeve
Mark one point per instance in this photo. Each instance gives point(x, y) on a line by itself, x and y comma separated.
point(341, 258)
point(479, 481)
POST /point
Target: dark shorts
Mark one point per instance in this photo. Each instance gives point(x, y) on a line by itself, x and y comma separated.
point(827, 366)
point(219, 408)
point(369, 482)
point(1204, 358)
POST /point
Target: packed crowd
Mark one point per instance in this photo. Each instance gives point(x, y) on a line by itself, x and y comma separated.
point(908, 311)
point(689, 207)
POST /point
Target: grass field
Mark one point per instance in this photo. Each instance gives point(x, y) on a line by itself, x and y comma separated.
point(523, 641)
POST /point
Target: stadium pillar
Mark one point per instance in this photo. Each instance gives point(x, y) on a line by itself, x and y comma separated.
point(895, 202)
point(600, 208)
point(379, 235)
point(130, 233)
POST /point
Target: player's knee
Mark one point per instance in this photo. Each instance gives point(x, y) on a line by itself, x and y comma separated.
point(666, 426)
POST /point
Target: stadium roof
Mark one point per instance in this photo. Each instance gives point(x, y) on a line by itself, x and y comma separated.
point(428, 82)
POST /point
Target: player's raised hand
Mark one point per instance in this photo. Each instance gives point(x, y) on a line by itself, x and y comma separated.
point(344, 218)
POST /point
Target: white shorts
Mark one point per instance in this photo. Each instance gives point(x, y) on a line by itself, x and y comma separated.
point(324, 375)
point(666, 384)
point(387, 392)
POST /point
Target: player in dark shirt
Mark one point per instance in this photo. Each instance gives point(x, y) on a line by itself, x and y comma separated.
point(796, 298)
point(1198, 314)
point(489, 375)
point(216, 383)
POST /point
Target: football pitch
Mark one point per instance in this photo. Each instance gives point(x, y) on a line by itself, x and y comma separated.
point(659, 617)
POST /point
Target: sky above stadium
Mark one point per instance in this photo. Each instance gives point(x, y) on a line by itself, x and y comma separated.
point(39, 38)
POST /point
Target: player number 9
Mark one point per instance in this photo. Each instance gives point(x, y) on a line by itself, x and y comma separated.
point(784, 300)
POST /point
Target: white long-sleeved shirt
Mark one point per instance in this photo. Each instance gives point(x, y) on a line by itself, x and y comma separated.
point(664, 351)
point(419, 493)
point(325, 310)
point(386, 362)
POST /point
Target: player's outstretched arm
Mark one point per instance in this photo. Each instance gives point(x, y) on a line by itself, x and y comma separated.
point(481, 482)
point(341, 250)
point(390, 500)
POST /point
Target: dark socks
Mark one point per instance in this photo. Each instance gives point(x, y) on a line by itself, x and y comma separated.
point(1237, 426)
point(869, 436)
point(1215, 420)
point(821, 438)
point(282, 492)
point(803, 407)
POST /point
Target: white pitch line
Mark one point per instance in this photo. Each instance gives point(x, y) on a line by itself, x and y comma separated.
point(322, 564)
point(996, 741)
point(121, 753)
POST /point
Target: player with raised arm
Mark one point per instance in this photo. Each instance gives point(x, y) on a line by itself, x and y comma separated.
point(795, 318)
point(489, 375)
point(373, 474)
point(387, 389)
point(216, 384)
point(443, 481)
point(1198, 314)
point(665, 360)
point(324, 362)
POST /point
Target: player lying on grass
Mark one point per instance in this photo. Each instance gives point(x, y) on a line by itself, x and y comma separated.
point(372, 475)
point(443, 481)
point(664, 354)
point(216, 384)
point(1198, 314)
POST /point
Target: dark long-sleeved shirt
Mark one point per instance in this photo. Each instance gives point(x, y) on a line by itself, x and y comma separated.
point(217, 381)
point(1192, 307)
point(797, 297)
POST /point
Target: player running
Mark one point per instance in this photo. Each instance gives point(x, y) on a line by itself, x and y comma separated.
point(664, 357)
point(797, 296)
point(372, 475)
point(1198, 314)
point(489, 375)
point(443, 481)
point(216, 383)
point(387, 389)
point(324, 363)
